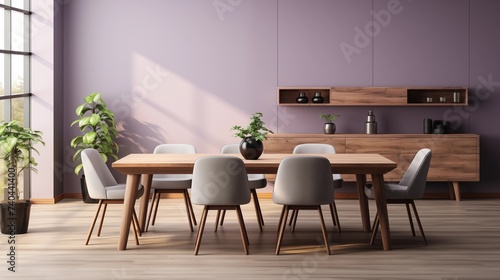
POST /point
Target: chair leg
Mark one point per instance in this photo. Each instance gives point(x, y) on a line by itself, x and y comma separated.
point(294, 212)
point(243, 230)
point(136, 220)
point(135, 227)
point(282, 228)
point(150, 213)
point(217, 218)
point(410, 218)
point(335, 215)
point(258, 211)
point(200, 230)
point(281, 219)
point(186, 202)
point(418, 221)
point(223, 215)
point(323, 230)
point(93, 222)
point(295, 220)
point(193, 217)
point(374, 229)
point(102, 218)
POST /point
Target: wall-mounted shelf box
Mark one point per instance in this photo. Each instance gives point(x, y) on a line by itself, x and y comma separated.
point(376, 96)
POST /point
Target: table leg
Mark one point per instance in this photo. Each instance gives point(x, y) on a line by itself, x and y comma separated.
point(363, 201)
point(146, 180)
point(128, 208)
point(378, 186)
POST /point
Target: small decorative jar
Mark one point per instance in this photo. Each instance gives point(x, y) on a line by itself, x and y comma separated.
point(302, 98)
point(318, 98)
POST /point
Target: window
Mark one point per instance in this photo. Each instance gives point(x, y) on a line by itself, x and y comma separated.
point(15, 66)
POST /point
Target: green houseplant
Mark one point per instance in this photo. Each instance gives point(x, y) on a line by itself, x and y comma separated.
point(98, 126)
point(251, 146)
point(16, 146)
point(329, 126)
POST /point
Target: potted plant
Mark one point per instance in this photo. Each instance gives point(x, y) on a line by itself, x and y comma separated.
point(329, 127)
point(251, 146)
point(98, 126)
point(16, 144)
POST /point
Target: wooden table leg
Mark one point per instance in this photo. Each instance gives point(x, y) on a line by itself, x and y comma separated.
point(128, 208)
point(378, 186)
point(146, 180)
point(363, 201)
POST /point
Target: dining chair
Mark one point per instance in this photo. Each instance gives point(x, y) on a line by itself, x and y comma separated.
point(102, 186)
point(410, 187)
point(220, 183)
point(171, 183)
point(318, 148)
point(255, 181)
point(293, 174)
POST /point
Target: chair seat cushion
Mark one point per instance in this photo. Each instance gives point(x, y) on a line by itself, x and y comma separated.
point(118, 191)
point(392, 191)
point(173, 182)
point(257, 181)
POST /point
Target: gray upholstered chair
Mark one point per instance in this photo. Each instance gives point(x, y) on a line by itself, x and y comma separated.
point(255, 181)
point(171, 183)
point(102, 186)
point(409, 188)
point(294, 173)
point(220, 183)
point(317, 148)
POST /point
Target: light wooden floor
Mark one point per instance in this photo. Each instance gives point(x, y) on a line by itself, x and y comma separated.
point(464, 244)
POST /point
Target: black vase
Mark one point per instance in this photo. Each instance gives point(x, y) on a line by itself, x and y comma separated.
point(302, 98)
point(15, 222)
point(318, 98)
point(251, 148)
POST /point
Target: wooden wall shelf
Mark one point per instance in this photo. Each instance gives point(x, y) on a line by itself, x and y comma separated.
point(376, 96)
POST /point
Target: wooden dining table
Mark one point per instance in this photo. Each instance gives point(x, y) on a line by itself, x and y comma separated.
point(140, 169)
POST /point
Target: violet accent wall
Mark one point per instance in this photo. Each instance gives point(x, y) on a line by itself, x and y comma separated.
point(187, 70)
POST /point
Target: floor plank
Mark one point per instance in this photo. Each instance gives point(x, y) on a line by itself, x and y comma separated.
point(463, 244)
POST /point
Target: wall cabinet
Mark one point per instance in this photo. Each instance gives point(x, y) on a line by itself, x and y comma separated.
point(376, 96)
point(455, 157)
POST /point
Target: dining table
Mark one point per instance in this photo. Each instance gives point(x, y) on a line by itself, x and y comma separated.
point(140, 168)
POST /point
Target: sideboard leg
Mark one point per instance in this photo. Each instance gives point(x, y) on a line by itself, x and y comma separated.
point(455, 191)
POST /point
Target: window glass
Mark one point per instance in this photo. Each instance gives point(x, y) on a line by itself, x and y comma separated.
point(18, 4)
point(18, 36)
point(2, 28)
point(17, 110)
point(17, 74)
point(2, 75)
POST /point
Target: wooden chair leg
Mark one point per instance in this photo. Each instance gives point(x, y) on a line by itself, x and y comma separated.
point(93, 222)
point(135, 227)
point(136, 220)
point(200, 230)
point(186, 202)
point(282, 228)
point(281, 219)
point(150, 212)
point(335, 215)
point(243, 230)
point(374, 229)
point(294, 212)
point(155, 211)
point(418, 221)
point(193, 217)
point(323, 230)
point(295, 220)
point(410, 218)
point(217, 218)
point(223, 215)
point(102, 218)
point(258, 212)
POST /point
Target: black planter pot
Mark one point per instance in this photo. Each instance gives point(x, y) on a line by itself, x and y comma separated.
point(251, 148)
point(85, 194)
point(17, 221)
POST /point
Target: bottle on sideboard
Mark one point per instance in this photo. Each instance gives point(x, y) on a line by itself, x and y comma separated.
point(302, 98)
point(428, 126)
point(370, 124)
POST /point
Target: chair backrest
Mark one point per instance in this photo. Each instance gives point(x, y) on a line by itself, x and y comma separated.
point(316, 148)
point(230, 149)
point(235, 149)
point(219, 180)
point(415, 176)
point(304, 180)
point(174, 149)
point(97, 174)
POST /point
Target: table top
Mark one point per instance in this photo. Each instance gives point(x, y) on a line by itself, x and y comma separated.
point(267, 163)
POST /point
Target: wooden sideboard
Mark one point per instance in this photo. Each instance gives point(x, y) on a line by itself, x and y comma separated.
point(455, 157)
